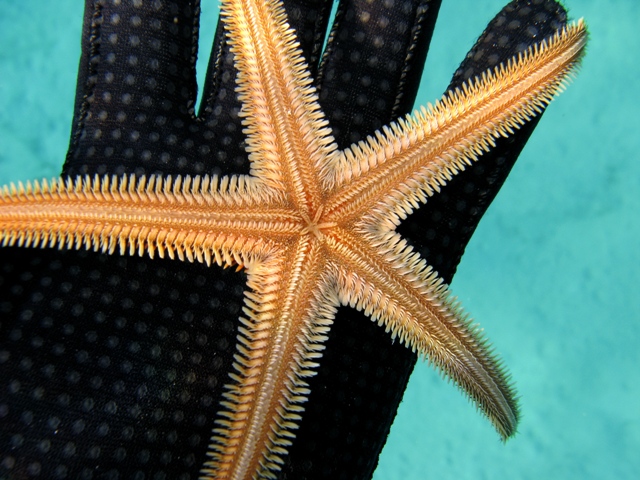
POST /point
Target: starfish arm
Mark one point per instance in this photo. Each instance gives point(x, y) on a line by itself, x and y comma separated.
point(280, 340)
point(204, 219)
point(411, 159)
point(287, 133)
point(399, 291)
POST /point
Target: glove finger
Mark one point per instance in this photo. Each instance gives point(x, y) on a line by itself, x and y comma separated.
point(517, 27)
point(369, 75)
point(451, 217)
point(373, 64)
point(136, 88)
point(220, 107)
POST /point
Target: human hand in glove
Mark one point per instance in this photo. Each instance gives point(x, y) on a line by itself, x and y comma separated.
point(115, 366)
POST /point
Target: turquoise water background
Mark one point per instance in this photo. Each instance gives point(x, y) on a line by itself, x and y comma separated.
point(551, 273)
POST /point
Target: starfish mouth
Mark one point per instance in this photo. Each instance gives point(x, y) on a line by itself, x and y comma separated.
point(315, 226)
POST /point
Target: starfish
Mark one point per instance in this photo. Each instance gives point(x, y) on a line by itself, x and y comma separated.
point(313, 226)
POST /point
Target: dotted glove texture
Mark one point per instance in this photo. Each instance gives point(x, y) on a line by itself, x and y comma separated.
point(112, 367)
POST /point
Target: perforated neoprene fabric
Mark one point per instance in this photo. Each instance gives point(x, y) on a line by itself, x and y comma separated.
point(112, 367)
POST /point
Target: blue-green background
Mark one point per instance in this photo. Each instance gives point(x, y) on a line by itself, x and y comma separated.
point(551, 273)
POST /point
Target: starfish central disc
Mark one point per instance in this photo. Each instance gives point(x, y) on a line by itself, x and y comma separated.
point(315, 226)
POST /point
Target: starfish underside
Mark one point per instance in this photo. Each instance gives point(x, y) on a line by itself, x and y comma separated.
point(314, 227)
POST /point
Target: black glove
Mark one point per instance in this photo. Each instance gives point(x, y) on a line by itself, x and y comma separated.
point(113, 366)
